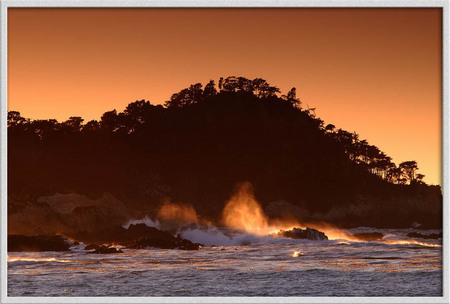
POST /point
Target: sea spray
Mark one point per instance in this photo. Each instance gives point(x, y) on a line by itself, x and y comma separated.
point(178, 213)
point(222, 236)
point(145, 220)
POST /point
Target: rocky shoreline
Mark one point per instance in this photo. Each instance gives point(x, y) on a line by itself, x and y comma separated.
point(137, 236)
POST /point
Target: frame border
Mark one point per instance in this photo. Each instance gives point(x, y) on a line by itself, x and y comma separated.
point(5, 4)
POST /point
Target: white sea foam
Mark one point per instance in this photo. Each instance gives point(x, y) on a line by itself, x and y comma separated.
point(207, 236)
point(210, 236)
point(145, 220)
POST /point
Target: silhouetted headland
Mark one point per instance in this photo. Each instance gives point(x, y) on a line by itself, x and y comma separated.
point(67, 177)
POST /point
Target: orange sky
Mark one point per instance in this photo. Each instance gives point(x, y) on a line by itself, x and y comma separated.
point(373, 71)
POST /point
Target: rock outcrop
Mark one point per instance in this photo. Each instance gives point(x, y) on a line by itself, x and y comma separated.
point(137, 236)
point(164, 243)
point(38, 243)
point(308, 233)
point(64, 213)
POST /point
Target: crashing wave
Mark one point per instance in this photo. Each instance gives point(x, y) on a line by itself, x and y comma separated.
point(145, 220)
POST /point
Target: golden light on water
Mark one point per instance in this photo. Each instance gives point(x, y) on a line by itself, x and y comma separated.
point(334, 233)
point(296, 254)
point(411, 242)
point(27, 259)
point(344, 243)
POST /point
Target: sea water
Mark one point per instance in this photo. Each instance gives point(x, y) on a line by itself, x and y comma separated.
point(238, 265)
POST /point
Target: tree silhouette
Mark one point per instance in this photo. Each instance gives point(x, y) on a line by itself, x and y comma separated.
point(110, 121)
point(409, 170)
point(259, 85)
point(291, 96)
point(44, 128)
point(74, 123)
point(137, 110)
point(394, 175)
point(91, 126)
point(210, 90)
point(186, 96)
point(245, 85)
point(330, 127)
point(14, 119)
point(230, 84)
point(419, 178)
point(196, 92)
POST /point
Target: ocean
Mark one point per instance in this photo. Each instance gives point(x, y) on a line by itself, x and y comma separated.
point(239, 264)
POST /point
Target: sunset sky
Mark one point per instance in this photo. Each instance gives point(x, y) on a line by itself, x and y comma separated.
point(373, 71)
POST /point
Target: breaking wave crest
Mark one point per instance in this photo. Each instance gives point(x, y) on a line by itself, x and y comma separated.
point(145, 220)
point(212, 236)
point(16, 261)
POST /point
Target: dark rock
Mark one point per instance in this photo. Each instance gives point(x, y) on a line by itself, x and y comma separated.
point(152, 241)
point(369, 236)
point(308, 233)
point(92, 247)
point(106, 250)
point(425, 236)
point(137, 236)
point(164, 241)
point(38, 243)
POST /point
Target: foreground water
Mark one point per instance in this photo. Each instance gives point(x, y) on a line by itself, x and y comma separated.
point(259, 266)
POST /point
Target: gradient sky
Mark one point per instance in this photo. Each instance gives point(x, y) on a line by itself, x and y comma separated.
point(374, 71)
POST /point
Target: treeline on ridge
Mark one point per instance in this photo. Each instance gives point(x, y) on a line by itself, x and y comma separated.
point(139, 113)
point(204, 140)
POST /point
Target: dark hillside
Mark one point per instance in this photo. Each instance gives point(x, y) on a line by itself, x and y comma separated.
point(197, 148)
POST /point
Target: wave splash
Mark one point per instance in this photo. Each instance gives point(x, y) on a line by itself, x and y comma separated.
point(244, 222)
point(145, 220)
